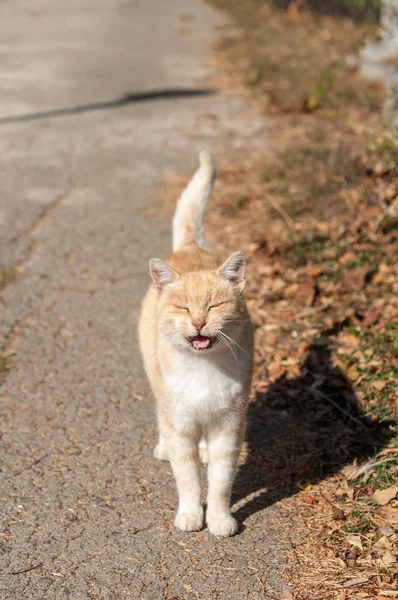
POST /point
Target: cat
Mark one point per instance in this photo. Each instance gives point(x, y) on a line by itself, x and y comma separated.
point(197, 344)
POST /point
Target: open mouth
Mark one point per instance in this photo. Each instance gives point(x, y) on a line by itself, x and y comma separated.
point(201, 342)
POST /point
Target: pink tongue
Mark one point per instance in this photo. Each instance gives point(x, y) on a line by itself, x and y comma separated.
point(200, 342)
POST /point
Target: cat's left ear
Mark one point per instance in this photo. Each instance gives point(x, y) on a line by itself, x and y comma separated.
point(161, 273)
point(233, 270)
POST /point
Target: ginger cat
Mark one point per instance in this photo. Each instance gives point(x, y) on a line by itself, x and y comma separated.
point(196, 341)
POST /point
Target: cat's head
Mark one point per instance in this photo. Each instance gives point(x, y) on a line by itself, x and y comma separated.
point(200, 310)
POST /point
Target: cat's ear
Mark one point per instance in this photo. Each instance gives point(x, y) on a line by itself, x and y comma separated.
point(161, 273)
point(233, 269)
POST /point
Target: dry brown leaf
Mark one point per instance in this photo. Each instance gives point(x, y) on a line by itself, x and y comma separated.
point(305, 294)
point(350, 340)
point(356, 278)
point(383, 497)
point(382, 544)
point(312, 271)
point(371, 317)
point(357, 581)
point(379, 384)
point(388, 514)
point(347, 257)
point(290, 291)
point(276, 371)
point(338, 513)
point(388, 451)
point(382, 273)
point(388, 559)
point(350, 371)
point(308, 499)
point(355, 540)
point(386, 531)
point(368, 215)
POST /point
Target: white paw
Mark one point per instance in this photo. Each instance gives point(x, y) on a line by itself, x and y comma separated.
point(189, 521)
point(203, 454)
point(224, 526)
point(160, 452)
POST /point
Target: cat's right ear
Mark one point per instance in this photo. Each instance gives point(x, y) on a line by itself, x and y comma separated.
point(161, 273)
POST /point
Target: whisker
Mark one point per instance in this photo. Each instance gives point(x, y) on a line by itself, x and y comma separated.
point(226, 343)
point(236, 343)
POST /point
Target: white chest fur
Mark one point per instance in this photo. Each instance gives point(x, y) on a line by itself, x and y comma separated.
point(201, 387)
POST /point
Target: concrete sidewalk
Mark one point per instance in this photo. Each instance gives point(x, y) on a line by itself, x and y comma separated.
point(92, 119)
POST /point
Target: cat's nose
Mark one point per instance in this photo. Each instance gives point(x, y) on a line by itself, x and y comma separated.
point(198, 324)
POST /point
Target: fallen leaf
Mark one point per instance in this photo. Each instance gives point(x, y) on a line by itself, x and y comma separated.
point(290, 291)
point(312, 271)
point(389, 515)
point(352, 556)
point(355, 540)
point(378, 385)
point(338, 513)
point(355, 279)
point(386, 531)
point(388, 558)
point(305, 294)
point(347, 257)
point(383, 497)
point(389, 451)
point(370, 317)
point(356, 581)
point(308, 499)
point(382, 544)
point(276, 371)
point(368, 215)
point(382, 273)
point(350, 340)
point(349, 370)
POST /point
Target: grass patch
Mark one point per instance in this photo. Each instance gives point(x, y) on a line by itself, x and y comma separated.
point(297, 62)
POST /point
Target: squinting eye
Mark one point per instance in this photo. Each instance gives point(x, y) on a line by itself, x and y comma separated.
point(181, 307)
point(216, 305)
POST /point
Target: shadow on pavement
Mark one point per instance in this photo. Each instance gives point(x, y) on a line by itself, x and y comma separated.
point(119, 102)
point(302, 430)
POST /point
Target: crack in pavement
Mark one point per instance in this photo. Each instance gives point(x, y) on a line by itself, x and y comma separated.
point(106, 105)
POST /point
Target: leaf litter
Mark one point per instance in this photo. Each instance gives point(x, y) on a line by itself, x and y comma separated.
point(317, 216)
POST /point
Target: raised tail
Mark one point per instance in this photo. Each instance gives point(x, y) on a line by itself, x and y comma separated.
point(191, 207)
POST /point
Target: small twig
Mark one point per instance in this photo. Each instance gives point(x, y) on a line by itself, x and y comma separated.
point(278, 207)
point(315, 392)
point(25, 570)
point(294, 550)
point(31, 465)
point(137, 530)
point(282, 212)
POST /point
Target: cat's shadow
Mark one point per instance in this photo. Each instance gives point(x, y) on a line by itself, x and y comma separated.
point(302, 430)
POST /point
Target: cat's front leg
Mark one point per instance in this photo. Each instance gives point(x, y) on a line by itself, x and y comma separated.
point(223, 445)
point(184, 458)
point(160, 452)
